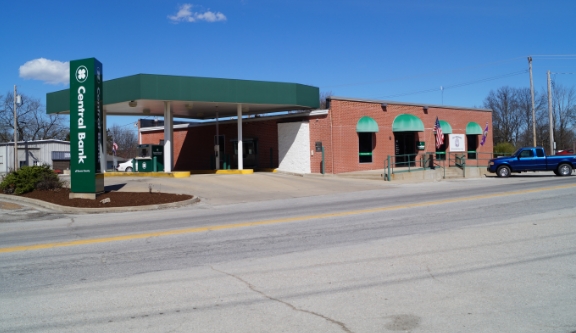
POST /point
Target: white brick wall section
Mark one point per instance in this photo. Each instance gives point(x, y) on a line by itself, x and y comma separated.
point(294, 147)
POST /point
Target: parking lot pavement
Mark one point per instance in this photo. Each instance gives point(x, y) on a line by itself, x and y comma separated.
point(229, 189)
point(12, 212)
point(261, 186)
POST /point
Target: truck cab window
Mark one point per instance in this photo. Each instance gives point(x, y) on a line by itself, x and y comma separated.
point(527, 153)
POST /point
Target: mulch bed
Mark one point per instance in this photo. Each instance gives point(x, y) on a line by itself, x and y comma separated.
point(117, 199)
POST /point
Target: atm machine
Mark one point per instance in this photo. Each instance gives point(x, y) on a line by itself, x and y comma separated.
point(150, 158)
point(249, 153)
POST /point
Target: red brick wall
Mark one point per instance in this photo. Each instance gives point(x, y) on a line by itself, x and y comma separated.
point(193, 147)
point(345, 116)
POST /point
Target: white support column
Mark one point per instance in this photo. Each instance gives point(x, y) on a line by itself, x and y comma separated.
point(217, 144)
point(103, 153)
point(240, 146)
point(168, 138)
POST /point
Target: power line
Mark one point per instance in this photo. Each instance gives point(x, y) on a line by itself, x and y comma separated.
point(457, 85)
point(554, 55)
point(425, 74)
point(488, 79)
point(401, 78)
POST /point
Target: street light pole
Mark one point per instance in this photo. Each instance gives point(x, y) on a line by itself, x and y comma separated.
point(15, 133)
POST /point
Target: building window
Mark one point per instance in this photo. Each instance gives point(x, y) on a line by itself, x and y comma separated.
point(365, 146)
point(472, 141)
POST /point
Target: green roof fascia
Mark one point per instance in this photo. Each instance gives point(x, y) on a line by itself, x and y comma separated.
point(185, 88)
point(446, 127)
point(58, 101)
point(366, 125)
point(473, 129)
point(407, 123)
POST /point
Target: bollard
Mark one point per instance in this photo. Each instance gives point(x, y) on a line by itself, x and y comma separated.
point(323, 164)
point(389, 175)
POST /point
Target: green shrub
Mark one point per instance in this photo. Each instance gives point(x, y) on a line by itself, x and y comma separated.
point(504, 148)
point(28, 179)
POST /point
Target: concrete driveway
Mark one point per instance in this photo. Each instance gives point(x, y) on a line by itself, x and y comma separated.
point(230, 189)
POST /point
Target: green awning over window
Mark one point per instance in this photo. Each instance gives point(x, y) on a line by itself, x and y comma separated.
point(446, 128)
point(366, 125)
point(473, 129)
point(407, 123)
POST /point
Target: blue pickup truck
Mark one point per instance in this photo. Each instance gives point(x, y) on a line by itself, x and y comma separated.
point(532, 159)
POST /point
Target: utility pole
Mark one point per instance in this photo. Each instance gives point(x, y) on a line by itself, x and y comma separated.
point(550, 115)
point(15, 132)
point(533, 108)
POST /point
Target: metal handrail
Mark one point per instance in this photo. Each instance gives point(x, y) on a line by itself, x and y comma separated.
point(411, 161)
point(458, 159)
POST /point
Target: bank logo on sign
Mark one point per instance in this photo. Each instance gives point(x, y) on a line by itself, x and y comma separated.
point(81, 74)
point(457, 141)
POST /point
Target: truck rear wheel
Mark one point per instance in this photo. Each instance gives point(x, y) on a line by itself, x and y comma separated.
point(503, 171)
point(564, 170)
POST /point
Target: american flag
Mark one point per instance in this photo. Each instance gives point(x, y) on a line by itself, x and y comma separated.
point(439, 134)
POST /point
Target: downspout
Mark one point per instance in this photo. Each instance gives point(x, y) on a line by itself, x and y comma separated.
point(331, 137)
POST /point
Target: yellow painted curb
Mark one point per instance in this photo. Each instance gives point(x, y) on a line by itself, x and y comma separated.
point(177, 174)
point(223, 172)
point(267, 170)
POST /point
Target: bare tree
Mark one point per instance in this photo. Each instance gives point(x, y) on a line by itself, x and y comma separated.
point(564, 114)
point(125, 138)
point(507, 117)
point(32, 121)
point(323, 97)
point(524, 103)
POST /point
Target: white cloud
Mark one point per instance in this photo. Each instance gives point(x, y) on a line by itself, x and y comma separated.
point(185, 14)
point(49, 71)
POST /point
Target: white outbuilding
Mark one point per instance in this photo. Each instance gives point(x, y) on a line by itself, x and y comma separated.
point(55, 153)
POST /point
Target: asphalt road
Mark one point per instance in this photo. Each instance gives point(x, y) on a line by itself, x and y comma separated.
point(485, 255)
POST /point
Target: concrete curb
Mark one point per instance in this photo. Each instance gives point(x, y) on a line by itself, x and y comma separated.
point(177, 174)
point(76, 210)
point(223, 172)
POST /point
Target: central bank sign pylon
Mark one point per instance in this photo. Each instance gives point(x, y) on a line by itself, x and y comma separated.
point(86, 129)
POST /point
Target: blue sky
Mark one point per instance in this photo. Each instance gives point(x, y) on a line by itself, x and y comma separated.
point(364, 48)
